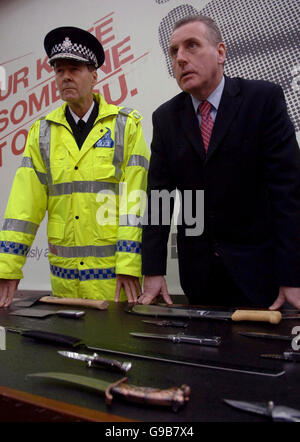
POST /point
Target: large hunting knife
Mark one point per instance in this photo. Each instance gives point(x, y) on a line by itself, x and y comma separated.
point(174, 397)
point(274, 317)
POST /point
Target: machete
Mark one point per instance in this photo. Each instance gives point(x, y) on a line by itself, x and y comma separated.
point(174, 397)
point(274, 317)
point(73, 342)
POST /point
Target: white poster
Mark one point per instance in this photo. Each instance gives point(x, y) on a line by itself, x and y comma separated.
point(262, 38)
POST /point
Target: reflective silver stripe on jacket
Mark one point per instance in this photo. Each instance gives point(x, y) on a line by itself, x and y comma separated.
point(69, 188)
point(138, 160)
point(44, 142)
point(82, 251)
point(18, 225)
point(27, 162)
point(119, 141)
point(82, 187)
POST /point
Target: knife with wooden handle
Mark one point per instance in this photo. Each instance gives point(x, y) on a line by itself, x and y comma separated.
point(92, 303)
point(274, 317)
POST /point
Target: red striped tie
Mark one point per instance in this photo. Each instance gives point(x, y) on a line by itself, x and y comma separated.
point(207, 122)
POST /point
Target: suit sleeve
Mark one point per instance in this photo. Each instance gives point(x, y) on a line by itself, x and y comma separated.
point(156, 230)
point(282, 171)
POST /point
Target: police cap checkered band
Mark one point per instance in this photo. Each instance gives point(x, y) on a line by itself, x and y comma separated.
point(74, 44)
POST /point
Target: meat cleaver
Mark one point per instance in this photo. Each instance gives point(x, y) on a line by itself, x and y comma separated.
point(42, 313)
point(27, 300)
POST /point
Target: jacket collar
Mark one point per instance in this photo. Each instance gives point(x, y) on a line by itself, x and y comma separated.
point(59, 115)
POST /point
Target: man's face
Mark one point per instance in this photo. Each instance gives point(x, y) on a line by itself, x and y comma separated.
point(197, 61)
point(74, 80)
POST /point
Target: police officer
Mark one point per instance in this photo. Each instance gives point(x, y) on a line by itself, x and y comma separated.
point(81, 162)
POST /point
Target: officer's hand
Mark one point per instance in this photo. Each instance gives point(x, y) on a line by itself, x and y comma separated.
point(7, 291)
point(153, 287)
point(131, 285)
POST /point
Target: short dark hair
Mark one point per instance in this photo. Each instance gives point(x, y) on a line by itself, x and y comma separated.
point(213, 30)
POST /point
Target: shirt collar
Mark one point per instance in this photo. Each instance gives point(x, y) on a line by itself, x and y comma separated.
point(214, 98)
point(85, 117)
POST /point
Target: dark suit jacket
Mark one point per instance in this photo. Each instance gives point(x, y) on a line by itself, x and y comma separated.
point(251, 181)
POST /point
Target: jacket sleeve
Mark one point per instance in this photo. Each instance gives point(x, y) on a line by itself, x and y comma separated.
point(25, 209)
point(132, 198)
point(282, 172)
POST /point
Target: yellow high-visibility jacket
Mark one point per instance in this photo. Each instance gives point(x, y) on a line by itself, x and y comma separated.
point(94, 198)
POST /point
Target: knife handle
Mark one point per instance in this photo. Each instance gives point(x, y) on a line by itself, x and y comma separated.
point(173, 397)
point(113, 364)
point(213, 341)
point(52, 338)
point(98, 304)
point(274, 317)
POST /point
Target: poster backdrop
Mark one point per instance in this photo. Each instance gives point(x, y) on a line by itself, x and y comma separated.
point(262, 37)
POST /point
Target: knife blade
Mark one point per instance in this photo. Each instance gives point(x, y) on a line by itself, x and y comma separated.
point(181, 338)
point(70, 341)
point(166, 323)
point(274, 317)
point(267, 335)
point(290, 356)
point(97, 361)
point(276, 412)
point(174, 397)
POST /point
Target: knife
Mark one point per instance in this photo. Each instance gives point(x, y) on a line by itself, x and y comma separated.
point(276, 412)
point(165, 323)
point(266, 336)
point(274, 317)
point(174, 397)
point(70, 341)
point(290, 356)
point(181, 338)
point(96, 361)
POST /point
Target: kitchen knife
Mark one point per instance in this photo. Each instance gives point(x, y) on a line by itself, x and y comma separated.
point(181, 338)
point(290, 356)
point(269, 409)
point(166, 323)
point(267, 336)
point(97, 361)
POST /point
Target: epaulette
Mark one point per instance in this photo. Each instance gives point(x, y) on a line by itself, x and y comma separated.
point(130, 113)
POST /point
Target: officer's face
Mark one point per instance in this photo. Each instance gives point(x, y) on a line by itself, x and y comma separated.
point(197, 61)
point(74, 80)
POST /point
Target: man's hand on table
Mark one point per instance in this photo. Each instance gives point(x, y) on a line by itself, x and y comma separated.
point(7, 291)
point(153, 287)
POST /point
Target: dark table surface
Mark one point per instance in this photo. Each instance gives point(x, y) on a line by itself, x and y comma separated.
point(110, 329)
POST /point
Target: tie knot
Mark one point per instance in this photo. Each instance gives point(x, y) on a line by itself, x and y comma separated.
point(204, 109)
point(81, 125)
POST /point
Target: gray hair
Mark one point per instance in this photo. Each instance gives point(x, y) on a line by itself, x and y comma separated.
point(214, 33)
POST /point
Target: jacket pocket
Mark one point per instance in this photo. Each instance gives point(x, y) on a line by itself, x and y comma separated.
point(55, 230)
point(103, 164)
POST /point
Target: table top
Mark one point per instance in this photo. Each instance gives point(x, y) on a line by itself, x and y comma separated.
point(110, 329)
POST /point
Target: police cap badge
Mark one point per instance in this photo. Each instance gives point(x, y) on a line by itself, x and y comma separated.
point(74, 44)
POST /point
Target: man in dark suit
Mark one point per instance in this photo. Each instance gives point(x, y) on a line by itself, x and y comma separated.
point(243, 153)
